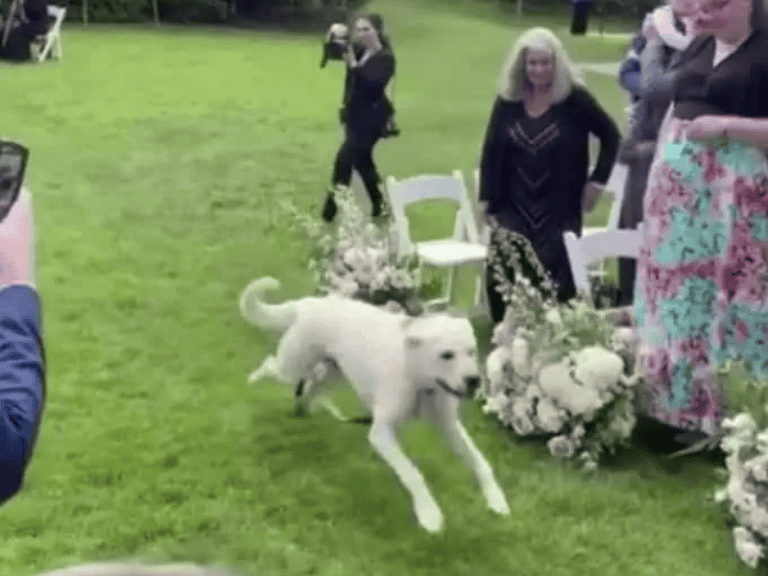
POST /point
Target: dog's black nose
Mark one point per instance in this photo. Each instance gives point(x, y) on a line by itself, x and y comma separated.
point(473, 383)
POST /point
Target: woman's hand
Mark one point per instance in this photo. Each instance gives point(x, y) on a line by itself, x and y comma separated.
point(17, 243)
point(702, 128)
point(590, 196)
point(349, 56)
point(649, 30)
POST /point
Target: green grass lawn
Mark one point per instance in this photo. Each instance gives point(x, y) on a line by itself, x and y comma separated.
point(159, 158)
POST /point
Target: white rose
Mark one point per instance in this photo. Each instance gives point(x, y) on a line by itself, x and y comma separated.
point(503, 334)
point(522, 425)
point(554, 317)
point(742, 503)
point(598, 368)
point(758, 520)
point(495, 404)
point(533, 391)
point(561, 446)
point(494, 368)
point(346, 286)
point(522, 406)
point(747, 547)
point(741, 423)
point(520, 359)
point(721, 495)
point(556, 382)
point(578, 432)
point(549, 417)
point(761, 439)
point(758, 467)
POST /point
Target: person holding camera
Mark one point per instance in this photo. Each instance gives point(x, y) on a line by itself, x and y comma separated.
point(22, 356)
point(366, 110)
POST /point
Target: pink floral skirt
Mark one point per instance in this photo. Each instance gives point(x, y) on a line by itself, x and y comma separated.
point(701, 296)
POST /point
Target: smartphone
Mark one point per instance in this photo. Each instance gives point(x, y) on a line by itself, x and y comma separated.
point(13, 163)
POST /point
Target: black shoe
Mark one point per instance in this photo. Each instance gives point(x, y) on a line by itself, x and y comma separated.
point(377, 212)
point(329, 208)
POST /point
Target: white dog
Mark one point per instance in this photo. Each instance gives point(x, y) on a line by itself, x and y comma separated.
point(400, 367)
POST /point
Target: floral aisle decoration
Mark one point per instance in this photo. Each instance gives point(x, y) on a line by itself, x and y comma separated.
point(356, 258)
point(559, 371)
point(744, 439)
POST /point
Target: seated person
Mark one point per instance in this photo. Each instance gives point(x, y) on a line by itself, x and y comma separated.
point(29, 22)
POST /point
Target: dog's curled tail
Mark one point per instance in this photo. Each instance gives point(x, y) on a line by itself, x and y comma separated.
point(255, 311)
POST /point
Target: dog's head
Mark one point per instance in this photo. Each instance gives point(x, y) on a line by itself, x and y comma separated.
point(441, 351)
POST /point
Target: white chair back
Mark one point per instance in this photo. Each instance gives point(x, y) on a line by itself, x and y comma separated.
point(597, 247)
point(52, 44)
point(616, 185)
point(403, 193)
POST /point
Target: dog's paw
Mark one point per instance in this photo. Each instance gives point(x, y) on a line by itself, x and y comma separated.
point(430, 516)
point(497, 502)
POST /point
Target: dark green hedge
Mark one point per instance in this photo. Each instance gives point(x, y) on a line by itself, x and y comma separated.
point(316, 13)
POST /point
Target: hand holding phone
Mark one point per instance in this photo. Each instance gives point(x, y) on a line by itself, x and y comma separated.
point(13, 164)
point(17, 239)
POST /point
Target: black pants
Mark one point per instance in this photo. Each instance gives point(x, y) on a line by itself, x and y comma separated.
point(356, 152)
point(17, 47)
point(580, 16)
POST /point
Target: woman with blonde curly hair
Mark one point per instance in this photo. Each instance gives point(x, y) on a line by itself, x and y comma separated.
point(535, 158)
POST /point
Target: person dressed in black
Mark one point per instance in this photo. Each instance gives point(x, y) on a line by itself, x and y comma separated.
point(29, 21)
point(365, 111)
point(535, 158)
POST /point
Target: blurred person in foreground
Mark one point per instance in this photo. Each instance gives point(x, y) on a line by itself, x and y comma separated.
point(22, 357)
point(701, 297)
point(534, 178)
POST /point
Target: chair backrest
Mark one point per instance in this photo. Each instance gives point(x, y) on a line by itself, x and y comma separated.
point(408, 191)
point(484, 231)
point(58, 13)
point(616, 184)
point(597, 247)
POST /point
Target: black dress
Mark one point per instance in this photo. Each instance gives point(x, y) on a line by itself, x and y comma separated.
point(533, 172)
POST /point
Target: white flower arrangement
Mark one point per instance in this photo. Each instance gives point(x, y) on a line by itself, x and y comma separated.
point(358, 259)
point(744, 439)
point(559, 371)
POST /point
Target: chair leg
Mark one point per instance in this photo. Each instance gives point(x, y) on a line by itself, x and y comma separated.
point(451, 285)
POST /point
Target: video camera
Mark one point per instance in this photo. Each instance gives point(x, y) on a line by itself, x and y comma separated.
point(335, 44)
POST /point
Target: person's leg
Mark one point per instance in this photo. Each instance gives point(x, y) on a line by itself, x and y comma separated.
point(626, 280)
point(345, 159)
point(365, 166)
point(342, 174)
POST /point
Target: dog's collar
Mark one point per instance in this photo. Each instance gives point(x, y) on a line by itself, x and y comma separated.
point(450, 390)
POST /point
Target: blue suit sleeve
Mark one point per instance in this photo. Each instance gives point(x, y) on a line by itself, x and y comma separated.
point(22, 383)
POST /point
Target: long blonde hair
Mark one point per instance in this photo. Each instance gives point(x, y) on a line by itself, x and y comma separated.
point(513, 80)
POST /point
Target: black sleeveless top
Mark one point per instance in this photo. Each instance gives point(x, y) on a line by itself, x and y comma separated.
point(736, 86)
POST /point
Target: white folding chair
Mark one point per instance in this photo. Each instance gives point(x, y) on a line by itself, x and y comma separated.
point(597, 247)
point(463, 248)
point(51, 42)
point(615, 187)
point(484, 232)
